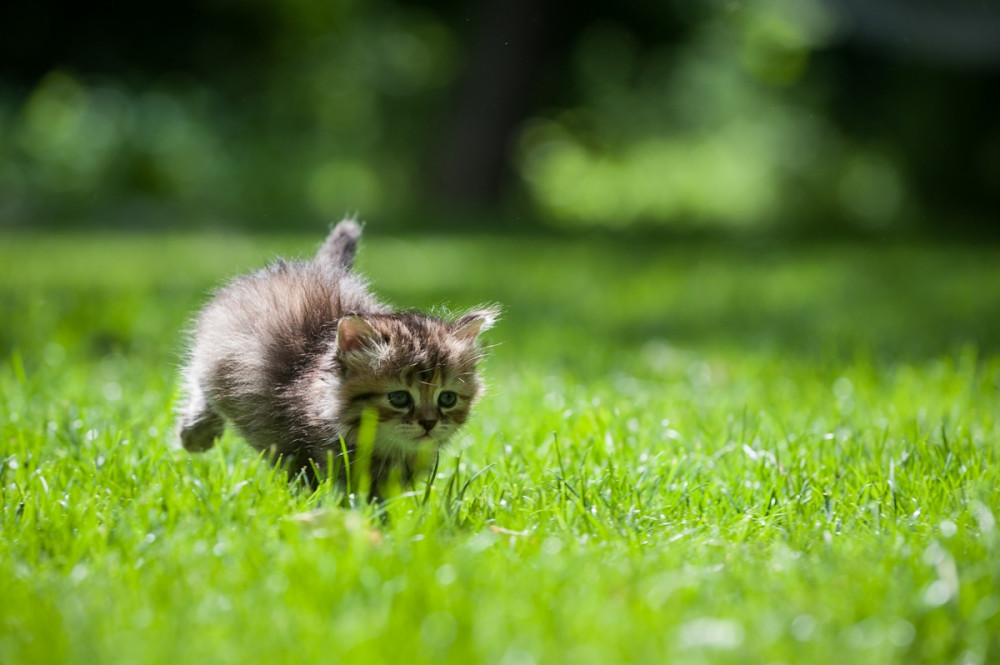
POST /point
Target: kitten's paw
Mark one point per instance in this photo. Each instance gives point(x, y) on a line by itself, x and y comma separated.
point(200, 436)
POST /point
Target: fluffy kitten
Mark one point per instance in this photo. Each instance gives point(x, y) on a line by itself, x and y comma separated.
point(294, 354)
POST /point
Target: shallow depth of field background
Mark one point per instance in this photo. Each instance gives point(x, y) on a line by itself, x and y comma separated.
point(824, 115)
point(743, 400)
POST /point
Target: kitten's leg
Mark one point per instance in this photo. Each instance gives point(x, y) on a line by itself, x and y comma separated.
point(199, 424)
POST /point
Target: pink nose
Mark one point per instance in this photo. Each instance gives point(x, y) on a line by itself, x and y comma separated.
point(428, 425)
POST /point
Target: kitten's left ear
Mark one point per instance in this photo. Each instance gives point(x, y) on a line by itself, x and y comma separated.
point(470, 325)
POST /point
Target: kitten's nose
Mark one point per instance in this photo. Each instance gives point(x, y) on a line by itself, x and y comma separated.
point(428, 425)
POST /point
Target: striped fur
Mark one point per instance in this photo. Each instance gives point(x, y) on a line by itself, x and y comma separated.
point(293, 356)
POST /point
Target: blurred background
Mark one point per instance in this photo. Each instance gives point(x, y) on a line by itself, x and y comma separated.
point(860, 117)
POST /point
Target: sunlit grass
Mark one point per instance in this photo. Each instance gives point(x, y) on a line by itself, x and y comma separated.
point(687, 454)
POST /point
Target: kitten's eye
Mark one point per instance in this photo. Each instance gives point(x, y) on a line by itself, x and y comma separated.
point(447, 399)
point(399, 399)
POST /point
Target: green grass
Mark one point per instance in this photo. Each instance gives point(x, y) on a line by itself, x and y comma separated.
point(689, 453)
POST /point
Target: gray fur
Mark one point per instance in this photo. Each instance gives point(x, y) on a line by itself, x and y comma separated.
point(341, 245)
point(264, 356)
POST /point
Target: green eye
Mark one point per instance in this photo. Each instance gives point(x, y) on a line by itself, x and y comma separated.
point(400, 399)
point(447, 399)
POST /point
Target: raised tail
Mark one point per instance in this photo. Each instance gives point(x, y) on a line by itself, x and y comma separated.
point(340, 246)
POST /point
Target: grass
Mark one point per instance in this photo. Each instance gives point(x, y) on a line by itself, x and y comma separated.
point(697, 454)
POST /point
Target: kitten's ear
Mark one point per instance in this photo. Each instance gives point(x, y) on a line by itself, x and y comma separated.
point(354, 333)
point(470, 325)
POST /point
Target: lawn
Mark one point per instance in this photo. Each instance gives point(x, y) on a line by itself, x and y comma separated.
point(689, 453)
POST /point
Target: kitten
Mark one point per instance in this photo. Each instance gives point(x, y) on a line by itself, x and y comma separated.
point(294, 354)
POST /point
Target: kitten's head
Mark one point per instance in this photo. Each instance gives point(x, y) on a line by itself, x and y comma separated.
point(417, 372)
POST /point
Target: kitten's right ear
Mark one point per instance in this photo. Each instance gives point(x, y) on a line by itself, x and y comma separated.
point(353, 334)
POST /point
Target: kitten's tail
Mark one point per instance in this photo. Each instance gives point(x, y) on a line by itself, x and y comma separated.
point(340, 246)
